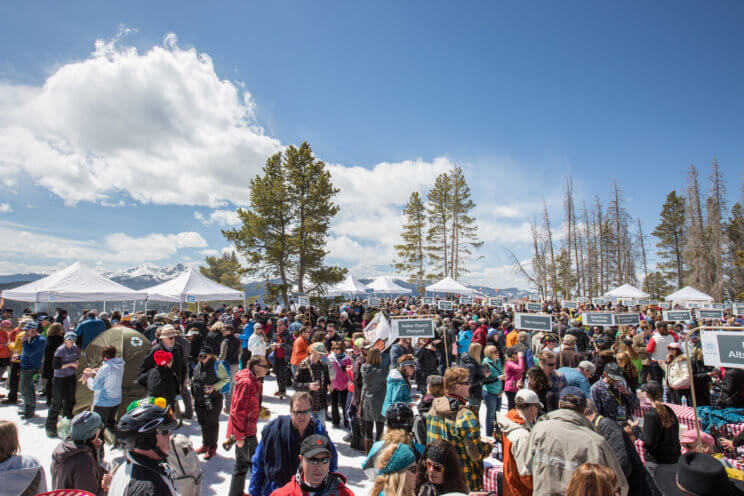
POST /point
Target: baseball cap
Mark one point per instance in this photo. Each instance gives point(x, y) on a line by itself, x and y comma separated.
point(314, 445)
point(167, 330)
point(528, 397)
point(613, 370)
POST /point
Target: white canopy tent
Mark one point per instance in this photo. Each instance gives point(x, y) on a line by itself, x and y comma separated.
point(386, 285)
point(74, 283)
point(192, 286)
point(449, 285)
point(626, 291)
point(351, 285)
point(689, 293)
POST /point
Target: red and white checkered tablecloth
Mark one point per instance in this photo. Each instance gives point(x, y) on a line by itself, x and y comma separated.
point(685, 414)
point(735, 429)
point(490, 479)
point(727, 462)
point(639, 446)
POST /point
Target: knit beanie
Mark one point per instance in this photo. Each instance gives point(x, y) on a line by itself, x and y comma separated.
point(162, 357)
point(402, 458)
point(85, 425)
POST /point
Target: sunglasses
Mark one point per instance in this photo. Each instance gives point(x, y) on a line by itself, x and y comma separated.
point(413, 469)
point(434, 466)
point(301, 412)
point(550, 364)
point(262, 365)
point(164, 433)
point(322, 461)
point(203, 356)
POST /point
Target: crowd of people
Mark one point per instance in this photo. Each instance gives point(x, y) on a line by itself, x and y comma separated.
point(577, 410)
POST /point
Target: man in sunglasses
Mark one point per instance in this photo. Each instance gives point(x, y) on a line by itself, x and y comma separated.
point(277, 456)
point(314, 475)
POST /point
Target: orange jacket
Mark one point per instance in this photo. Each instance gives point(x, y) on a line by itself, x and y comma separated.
point(512, 338)
point(514, 484)
point(299, 351)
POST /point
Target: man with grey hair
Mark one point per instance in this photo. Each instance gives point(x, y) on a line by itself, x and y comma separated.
point(579, 376)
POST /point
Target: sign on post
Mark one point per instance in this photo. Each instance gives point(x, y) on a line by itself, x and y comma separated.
point(737, 308)
point(598, 302)
point(719, 306)
point(466, 300)
point(692, 304)
point(190, 299)
point(582, 299)
point(444, 305)
point(570, 305)
point(413, 328)
point(597, 318)
point(723, 348)
point(627, 319)
point(664, 305)
point(427, 301)
point(303, 301)
point(374, 302)
point(532, 322)
point(629, 303)
point(709, 314)
point(531, 306)
point(645, 303)
point(676, 315)
point(495, 302)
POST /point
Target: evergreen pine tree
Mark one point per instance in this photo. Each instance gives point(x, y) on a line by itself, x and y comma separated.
point(411, 253)
point(463, 230)
point(438, 213)
point(225, 269)
point(671, 235)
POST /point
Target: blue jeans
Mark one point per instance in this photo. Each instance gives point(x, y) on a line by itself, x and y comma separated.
point(493, 405)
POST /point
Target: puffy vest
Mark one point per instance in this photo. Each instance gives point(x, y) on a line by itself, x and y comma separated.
point(513, 485)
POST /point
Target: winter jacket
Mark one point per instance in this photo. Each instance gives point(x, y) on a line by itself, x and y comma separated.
point(22, 475)
point(559, 444)
point(276, 458)
point(339, 363)
point(464, 338)
point(212, 374)
point(608, 401)
point(493, 385)
point(230, 350)
point(515, 434)
point(178, 367)
point(4, 342)
point(33, 353)
point(732, 388)
point(356, 377)
point(214, 341)
point(428, 363)
point(574, 377)
point(161, 381)
point(74, 466)
point(299, 351)
point(582, 338)
point(480, 336)
point(336, 486)
point(657, 345)
point(513, 371)
point(661, 443)
point(476, 378)
point(373, 389)
point(246, 403)
point(142, 476)
point(397, 390)
point(397, 351)
point(53, 342)
point(568, 358)
point(88, 330)
point(257, 344)
point(62, 356)
point(309, 373)
point(512, 338)
point(106, 384)
point(613, 434)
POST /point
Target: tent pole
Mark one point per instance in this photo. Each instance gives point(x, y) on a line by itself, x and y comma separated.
point(104, 305)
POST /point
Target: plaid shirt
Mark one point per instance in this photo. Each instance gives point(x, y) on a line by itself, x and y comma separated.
point(462, 432)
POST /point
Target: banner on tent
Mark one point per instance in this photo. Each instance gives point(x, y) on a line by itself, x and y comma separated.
point(444, 305)
point(531, 306)
point(374, 302)
point(303, 301)
point(413, 328)
point(531, 322)
point(719, 306)
point(723, 348)
point(597, 318)
point(692, 304)
point(427, 301)
point(627, 319)
point(709, 314)
point(645, 303)
point(466, 300)
point(677, 315)
point(599, 302)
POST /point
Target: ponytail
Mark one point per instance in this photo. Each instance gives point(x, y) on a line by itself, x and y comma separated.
point(664, 415)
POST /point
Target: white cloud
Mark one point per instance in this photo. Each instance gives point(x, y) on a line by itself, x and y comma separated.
point(221, 217)
point(209, 253)
point(5, 208)
point(141, 123)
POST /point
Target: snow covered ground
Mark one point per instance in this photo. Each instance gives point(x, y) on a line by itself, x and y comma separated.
point(217, 471)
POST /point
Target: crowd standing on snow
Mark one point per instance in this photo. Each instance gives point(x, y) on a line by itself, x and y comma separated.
point(578, 402)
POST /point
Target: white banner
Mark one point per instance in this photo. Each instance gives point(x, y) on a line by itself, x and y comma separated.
point(723, 348)
point(378, 332)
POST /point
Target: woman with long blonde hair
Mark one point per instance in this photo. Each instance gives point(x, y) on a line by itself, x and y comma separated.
point(397, 472)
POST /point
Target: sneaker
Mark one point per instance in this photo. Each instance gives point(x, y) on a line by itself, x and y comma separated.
point(347, 438)
point(201, 450)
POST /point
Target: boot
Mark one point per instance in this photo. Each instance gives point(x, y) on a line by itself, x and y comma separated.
point(368, 442)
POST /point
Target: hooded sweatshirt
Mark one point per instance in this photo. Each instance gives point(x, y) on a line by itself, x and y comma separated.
point(515, 432)
point(106, 385)
point(62, 356)
point(21, 475)
point(74, 466)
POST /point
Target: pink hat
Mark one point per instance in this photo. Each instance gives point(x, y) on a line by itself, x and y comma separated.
point(690, 437)
point(6, 323)
point(674, 346)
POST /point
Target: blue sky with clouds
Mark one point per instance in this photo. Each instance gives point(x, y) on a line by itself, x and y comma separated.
point(129, 132)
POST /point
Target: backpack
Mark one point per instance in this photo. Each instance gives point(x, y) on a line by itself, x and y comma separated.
point(187, 472)
point(226, 387)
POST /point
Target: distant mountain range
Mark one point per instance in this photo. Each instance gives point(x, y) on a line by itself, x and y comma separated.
point(146, 275)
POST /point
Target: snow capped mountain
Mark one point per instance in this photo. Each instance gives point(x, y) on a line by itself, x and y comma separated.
point(145, 275)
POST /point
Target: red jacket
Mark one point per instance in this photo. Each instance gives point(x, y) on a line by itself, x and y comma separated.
point(246, 405)
point(480, 335)
point(337, 485)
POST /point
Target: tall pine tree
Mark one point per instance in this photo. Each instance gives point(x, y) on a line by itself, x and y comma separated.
point(463, 230)
point(438, 213)
point(225, 269)
point(671, 235)
point(412, 257)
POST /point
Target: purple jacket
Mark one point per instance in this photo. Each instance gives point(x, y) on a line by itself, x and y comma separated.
point(341, 379)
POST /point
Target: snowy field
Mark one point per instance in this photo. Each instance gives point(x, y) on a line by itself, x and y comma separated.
point(217, 470)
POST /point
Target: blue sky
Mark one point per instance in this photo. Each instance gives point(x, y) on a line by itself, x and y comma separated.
point(519, 94)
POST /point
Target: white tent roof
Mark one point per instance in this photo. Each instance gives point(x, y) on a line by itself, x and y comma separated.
point(75, 283)
point(350, 285)
point(448, 285)
point(688, 294)
point(386, 285)
point(192, 285)
point(626, 291)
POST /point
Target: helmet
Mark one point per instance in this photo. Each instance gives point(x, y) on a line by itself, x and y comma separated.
point(399, 416)
point(139, 426)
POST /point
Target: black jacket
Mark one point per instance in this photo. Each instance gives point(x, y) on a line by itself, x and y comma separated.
point(428, 363)
point(142, 476)
point(179, 366)
point(582, 338)
point(53, 342)
point(475, 370)
point(731, 388)
point(662, 444)
point(161, 381)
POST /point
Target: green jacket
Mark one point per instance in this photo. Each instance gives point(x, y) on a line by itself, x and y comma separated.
point(496, 370)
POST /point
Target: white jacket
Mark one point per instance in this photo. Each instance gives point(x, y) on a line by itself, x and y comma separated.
point(257, 344)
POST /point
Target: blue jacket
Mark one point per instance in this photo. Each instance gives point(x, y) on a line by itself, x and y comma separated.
point(246, 334)
point(33, 353)
point(463, 341)
point(276, 460)
point(106, 385)
point(574, 377)
point(89, 330)
point(397, 389)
